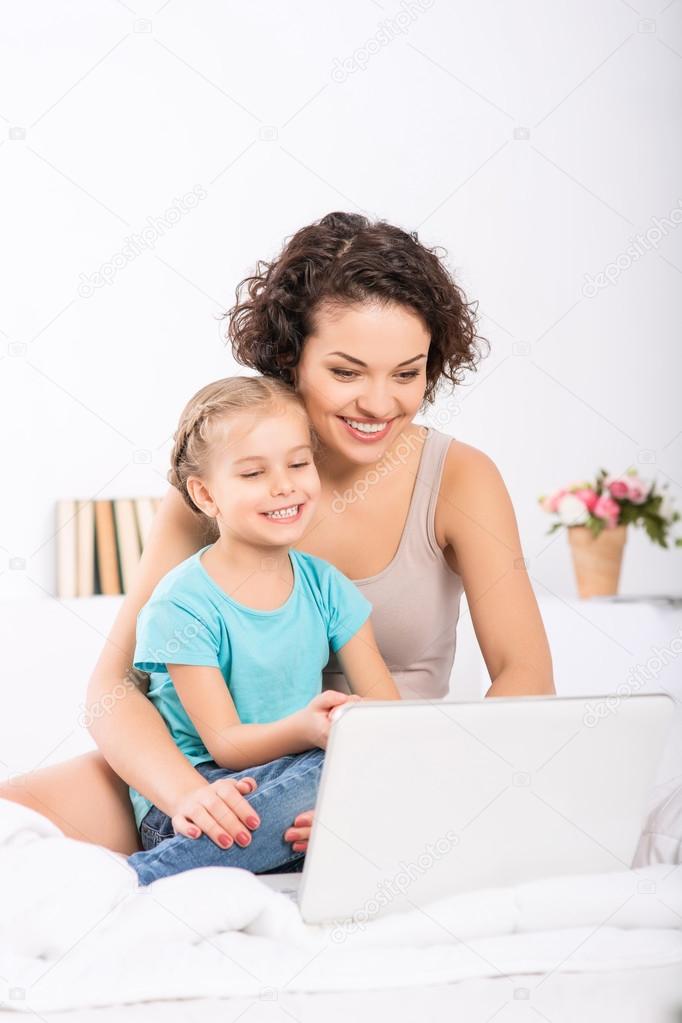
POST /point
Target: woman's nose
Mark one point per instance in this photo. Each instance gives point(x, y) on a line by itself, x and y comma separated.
point(376, 403)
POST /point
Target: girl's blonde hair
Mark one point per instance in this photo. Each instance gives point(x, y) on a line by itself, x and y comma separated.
point(204, 414)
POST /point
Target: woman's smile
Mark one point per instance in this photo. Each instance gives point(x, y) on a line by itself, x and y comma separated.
point(367, 430)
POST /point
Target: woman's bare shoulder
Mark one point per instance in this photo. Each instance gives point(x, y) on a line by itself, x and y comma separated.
point(464, 463)
point(471, 481)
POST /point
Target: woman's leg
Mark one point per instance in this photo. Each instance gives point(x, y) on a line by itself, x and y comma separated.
point(286, 787)
point(84, 797)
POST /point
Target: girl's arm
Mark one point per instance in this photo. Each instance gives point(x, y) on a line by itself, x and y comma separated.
point(126, 726)
point(367, 676)
point(237, 746)
point(364, 667)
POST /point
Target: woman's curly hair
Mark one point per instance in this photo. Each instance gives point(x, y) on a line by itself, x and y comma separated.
point(345, 259)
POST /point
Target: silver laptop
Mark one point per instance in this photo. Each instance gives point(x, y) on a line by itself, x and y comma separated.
point(421, 799)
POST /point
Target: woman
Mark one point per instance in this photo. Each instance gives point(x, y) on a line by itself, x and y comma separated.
point(364, 322)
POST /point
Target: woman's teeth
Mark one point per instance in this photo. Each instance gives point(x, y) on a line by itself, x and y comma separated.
point(284, 513)
point(365, 427)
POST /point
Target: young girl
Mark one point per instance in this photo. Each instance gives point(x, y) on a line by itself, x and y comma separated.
point(236, 636)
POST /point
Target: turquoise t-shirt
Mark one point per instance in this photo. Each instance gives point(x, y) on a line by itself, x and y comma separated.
point(271, 661)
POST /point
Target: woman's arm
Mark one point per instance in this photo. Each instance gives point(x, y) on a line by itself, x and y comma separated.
point(476, 526)
point(126, 726)
point(364, 667)
point(209, 704)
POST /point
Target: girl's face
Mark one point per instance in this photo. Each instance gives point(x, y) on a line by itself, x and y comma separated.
point(362, 375)
point(262, 484)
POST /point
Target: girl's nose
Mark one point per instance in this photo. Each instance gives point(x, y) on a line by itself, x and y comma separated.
point(282, 485)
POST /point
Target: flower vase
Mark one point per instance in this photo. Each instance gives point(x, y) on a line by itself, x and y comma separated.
point(597, 560)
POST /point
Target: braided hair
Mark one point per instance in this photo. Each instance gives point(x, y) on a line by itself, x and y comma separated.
point(204, 416)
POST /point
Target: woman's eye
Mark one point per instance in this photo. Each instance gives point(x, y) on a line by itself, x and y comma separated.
point(249, 475)
point(348, 374)
point(300, 465)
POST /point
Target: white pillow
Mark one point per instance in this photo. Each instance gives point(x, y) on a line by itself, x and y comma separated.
point(661, 838)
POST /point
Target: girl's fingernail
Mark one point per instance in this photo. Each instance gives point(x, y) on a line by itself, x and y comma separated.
point(252, 822)
point(193, 833)
point(243, 838)
point(225, 841)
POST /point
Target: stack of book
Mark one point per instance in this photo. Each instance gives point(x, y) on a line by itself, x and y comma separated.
point(99, 544)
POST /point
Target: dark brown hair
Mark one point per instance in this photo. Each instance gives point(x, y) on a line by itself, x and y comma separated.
point(345, 259)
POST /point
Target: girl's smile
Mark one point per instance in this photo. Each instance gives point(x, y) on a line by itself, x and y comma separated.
point(286, 513)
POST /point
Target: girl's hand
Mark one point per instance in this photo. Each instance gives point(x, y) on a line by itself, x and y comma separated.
point(315, 720)
point(299, 834)
point(218, 809)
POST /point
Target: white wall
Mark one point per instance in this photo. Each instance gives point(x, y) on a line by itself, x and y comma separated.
point(533, 140)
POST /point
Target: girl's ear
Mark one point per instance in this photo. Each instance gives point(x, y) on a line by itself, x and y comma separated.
point(199, 493)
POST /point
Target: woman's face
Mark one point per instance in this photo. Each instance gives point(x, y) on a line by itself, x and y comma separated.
point(362, 375)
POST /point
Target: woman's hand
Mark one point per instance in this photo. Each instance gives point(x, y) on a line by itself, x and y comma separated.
point(299, 834)
point(218, 809)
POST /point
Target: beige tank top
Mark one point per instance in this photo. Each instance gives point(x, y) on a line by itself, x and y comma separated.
point(416, 598)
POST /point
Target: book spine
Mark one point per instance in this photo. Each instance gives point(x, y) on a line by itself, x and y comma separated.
point(127, 540)
point(107, 557)
point(67, 583)
point(144, 513)
point(86, 548)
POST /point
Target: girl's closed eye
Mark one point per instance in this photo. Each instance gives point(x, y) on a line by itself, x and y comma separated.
point(258, 472)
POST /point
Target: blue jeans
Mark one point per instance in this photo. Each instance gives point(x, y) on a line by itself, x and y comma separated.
point(286, 787)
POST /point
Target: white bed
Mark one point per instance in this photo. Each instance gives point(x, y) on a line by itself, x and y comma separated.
point(78, 934)
point(570, 949)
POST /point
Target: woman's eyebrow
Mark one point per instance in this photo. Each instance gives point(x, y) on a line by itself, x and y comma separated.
point(360, 363)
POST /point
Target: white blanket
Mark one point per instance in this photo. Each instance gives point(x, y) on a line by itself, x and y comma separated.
point(77, 931)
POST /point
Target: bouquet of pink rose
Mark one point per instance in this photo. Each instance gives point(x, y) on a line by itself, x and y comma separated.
point(614, 501)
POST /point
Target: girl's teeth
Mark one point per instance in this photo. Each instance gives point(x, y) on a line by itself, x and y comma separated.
point(365, 427)
point(287, 513)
